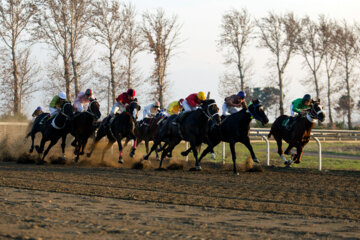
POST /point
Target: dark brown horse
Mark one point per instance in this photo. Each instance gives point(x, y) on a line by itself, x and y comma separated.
point(121, 127)
point(299, 135)
point(84, 127)
point(148, 128)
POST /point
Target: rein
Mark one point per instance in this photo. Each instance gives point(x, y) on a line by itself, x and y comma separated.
point(207, 113)
point(89, 111)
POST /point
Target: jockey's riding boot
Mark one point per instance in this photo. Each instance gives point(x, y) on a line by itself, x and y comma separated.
point(290, 123)
point(44, 120)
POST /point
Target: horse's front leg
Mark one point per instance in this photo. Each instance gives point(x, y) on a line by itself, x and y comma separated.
point(52, 143)
point(133, 149)
point(32, 143)
point(247, 144)
point(118, 139)
point(288, 149)
point(233, 154)
point(299, 153)
point(63, 143)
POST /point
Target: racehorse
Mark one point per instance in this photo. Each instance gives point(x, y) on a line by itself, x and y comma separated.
point(52, 131)
point(83, 127)
point(235, 128)
point(121, 127)
point(299, 135)
point(147, 129)
point(193, 127)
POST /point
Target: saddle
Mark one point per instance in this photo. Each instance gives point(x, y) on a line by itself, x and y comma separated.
point(180, 118)
point(290, 122)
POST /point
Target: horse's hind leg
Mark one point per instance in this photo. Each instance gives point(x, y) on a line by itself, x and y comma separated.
point(280, 150)
point(299, 153)
point(32, 143)
point(108, 145)
point(63, 143)
point(52, 143)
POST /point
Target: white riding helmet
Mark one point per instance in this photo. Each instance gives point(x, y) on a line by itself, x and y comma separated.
point(62, 95)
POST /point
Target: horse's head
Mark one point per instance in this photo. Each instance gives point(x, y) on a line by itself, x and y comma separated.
point(316, 111)
point(94, 108)
point(257, 111)
point(133, 108)
point(211, 110)
point(67, 110)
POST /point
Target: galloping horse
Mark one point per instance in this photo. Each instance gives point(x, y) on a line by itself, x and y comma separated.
point(148, 129)
point(235, 128)
point(299, 135)
point(121, 127)
point(59, 127)
point(83, 127)
point(193, 128)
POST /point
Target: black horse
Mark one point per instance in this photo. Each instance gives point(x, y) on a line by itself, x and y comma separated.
point(84, 126)
point(192, 127)
point(121, 127)
point(235, 128)
point(299, 135)
point(52, 130)
point(147, 129)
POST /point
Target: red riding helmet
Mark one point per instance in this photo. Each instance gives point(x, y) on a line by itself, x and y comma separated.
point(131, 93)
point(88, 92)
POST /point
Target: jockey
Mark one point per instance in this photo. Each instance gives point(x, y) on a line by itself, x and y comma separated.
point(121, 102)
point(300, 104)
point(193, 101)
point(56, 103)
point(82, 100)
point(175, 107)
point(151, 110)
point(37, 111)
point(233, 103)
point(297, 107)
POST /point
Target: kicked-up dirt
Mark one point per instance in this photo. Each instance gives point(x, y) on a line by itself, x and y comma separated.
point(80, 201)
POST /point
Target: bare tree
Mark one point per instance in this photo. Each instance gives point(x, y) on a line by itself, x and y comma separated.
point(109, 25)
point(28, 76)
point(132, 45)
point(15, 16)
point(348, 52)
point(279, 35)
point(62, 24)
point(310, 47)
point(236, 32)
point(329, 46)
point(162, 38)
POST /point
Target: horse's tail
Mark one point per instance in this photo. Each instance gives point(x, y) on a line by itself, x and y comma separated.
point(269, 135)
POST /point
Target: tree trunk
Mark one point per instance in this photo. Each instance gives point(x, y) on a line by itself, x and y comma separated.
point(74, 67)
point(16, 80)
point(329, 101)
point(347, 80)
point(67, 78)
point(281, 108)
point(241, 76)
point(129, 85)
point(112, 78)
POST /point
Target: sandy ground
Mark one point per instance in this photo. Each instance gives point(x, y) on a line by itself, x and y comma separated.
point(79, 201)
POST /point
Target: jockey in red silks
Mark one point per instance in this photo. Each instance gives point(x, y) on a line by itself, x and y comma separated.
point(193, 101)
point(82, 100)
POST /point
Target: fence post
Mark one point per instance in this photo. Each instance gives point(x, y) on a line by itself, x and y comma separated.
point(267, 150)
point(319, 148)
point(223, 153)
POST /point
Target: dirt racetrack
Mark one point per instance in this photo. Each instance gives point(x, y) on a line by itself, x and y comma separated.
point(93, 202)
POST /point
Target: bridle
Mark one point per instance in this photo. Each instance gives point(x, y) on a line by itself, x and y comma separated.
point(313, 114)
point(67, 117)
point(255, 114)
point(63, 109)
point(207, 112)
point(89, 111)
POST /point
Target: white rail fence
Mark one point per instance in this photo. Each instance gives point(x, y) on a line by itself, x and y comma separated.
point(255, 134)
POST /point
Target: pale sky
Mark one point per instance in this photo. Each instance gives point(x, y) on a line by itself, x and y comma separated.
point(198, 65)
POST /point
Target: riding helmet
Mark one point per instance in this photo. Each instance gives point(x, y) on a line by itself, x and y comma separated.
point(306, 98)
point(201, 96)
point(131, 92)
point(88, 92)
point(62, 95)
point(241, 94)
point(157, 104)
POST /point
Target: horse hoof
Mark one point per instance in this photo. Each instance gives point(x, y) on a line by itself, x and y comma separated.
point(82, 153)
point(132, 154)
point(31, 150)
point(88, 154)
point(213, 156)
point(236, 173)
point(256, 160)
point(76, 159)
point(41, 162)
point(145, 157)
point(120, 161)
point(160, 169)
point(198, 168)
point(184, 154)
point(37, 148)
